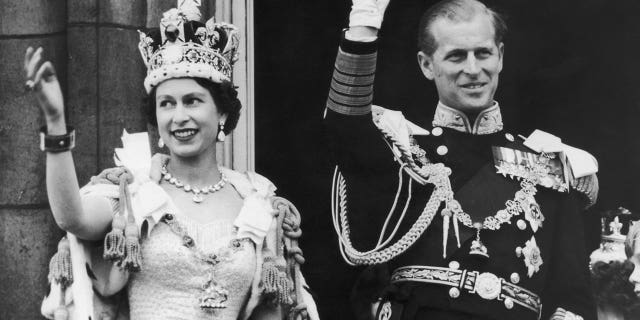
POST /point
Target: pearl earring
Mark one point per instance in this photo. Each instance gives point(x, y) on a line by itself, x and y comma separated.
point(221, 135)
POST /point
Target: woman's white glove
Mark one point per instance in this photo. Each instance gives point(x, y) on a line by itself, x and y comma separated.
point(367, 13)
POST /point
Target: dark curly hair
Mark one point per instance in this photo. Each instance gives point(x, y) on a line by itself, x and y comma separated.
point(224, 95)
point(611, 286)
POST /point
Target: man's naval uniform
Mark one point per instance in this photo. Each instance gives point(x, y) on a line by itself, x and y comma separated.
point(527, 275)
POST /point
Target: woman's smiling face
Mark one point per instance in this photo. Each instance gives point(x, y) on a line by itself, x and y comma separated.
point(187, 117)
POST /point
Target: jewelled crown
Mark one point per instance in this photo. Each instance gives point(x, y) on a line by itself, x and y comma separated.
point(185, 47)
point(612, 242)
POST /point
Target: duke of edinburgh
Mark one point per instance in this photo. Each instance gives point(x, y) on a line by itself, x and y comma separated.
point(474, 222)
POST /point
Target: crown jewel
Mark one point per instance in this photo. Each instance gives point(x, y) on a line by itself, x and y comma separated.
point(612, 244)
point(185, 47)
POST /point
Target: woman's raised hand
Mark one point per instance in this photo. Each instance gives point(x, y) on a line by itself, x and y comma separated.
point(42, 80)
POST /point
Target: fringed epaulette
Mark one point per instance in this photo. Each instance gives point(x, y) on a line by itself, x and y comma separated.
point(122, 243)
point(589, 187)
point(281, 276)
point(60, 272)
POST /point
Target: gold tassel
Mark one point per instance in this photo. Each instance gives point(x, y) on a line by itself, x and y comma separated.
point(132, 255)
point(284, 293)
point(446, 215)
point(61, 312)
point(275, 281)
point(269, 276)
point(114, 241)
point(60, 265)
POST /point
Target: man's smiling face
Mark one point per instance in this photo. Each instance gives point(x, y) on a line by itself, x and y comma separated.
point(466, 63)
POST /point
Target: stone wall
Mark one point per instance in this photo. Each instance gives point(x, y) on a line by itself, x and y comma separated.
point(93, 45)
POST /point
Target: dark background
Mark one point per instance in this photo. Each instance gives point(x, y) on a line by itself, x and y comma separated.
point(571, 68)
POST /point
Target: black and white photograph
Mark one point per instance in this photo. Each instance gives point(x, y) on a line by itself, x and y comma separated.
point(307, 159)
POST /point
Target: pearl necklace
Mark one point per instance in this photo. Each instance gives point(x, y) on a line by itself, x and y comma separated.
point(197, 193)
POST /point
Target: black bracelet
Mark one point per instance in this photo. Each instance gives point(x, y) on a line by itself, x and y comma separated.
point(57, 143)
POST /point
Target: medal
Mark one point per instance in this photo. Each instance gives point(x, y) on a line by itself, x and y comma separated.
point(214, 295)
point(524, 202)
point(532, 257)
point(477, 247)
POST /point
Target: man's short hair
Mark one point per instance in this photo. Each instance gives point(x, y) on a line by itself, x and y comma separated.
point(455, 10)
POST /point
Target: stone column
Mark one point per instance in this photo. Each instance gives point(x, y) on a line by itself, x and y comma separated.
point(28, 234)
point(121, 72)
point(82, 96)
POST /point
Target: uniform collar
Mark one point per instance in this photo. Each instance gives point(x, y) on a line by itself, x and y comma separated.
point(488, 120)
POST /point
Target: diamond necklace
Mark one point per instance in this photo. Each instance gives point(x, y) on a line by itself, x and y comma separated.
point(197, 193)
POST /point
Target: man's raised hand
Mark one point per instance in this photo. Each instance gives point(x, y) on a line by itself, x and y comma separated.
point(367, 13)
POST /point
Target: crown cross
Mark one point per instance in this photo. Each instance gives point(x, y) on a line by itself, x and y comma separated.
point(615, 226)
point(204, 51)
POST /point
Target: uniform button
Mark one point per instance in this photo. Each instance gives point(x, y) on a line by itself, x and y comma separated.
point(508, 303)
point(521, 224)
point(509, 137)
point(442, 150)
point(454, 292)
point(515, 278)
point(454, 265)
point(518, 252)
point(437, 131)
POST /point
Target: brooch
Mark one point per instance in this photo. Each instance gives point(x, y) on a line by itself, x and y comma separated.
point(531, 208)
point(532, 258)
